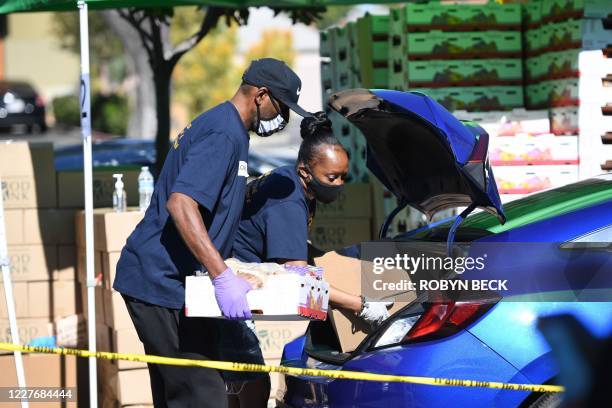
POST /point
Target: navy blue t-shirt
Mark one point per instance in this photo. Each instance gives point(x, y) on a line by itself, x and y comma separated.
point(208, 162)
point(276, 218)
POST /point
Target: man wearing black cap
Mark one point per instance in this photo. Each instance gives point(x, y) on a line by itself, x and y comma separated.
point(190, 225)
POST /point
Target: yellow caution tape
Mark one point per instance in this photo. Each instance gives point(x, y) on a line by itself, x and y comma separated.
point(312, 372)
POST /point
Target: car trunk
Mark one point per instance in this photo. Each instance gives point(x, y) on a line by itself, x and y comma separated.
point(428, 159)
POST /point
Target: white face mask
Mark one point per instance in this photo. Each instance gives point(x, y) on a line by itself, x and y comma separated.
point(269, 127)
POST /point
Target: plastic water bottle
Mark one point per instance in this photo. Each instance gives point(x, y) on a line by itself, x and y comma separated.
point(145, 188)
point(119, 196)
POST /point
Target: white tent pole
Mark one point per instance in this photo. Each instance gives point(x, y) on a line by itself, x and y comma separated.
point(89, 228)
point(10, 300)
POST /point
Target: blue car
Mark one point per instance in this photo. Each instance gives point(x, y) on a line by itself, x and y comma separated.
point(431, 161)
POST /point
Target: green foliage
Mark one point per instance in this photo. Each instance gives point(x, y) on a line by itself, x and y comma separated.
point(331, 16)
point(104, 44)
point(275, 43)
point(207, 75)
point(66, 110)
point(109, 112)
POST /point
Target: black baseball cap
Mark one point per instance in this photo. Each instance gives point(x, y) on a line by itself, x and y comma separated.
point(283, 84)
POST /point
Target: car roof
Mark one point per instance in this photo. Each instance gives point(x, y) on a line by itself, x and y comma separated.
point(546, 204)
point(16, 86)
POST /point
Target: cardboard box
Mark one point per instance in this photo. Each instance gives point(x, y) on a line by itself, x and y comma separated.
point(273, 336)
point(100, 303)
point(436, 74)
point(109, 267)
point(345, 274)
point(70, 188)
point(126, 341)
point(327, 233)
point(66, 263)
point(48, 227)
point(134, 387)
point(476, 98)
point(32, 262)
point(71, 331)
point(277, 383)
point(28, 329)
point(52, 299)
point(27, 172)
point(115, 311)
point(111, 229)
point(41, 371)
point(287, 296)
point(529, 179)
point(462, 17)
point(20, 295)
point(449, 45)
point(123, 387)
point(82, 270)
point(353, 201)
point(537, 150)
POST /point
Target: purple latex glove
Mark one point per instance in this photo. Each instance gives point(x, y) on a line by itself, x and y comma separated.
point(230, 292)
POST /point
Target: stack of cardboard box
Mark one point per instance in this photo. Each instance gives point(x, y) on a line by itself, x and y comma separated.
point(566, 73)
point(40, 240)
point(120, 382)
point(346, 221)
point(273, 335)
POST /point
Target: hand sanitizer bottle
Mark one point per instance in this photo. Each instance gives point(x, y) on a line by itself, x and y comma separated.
point(119, 196)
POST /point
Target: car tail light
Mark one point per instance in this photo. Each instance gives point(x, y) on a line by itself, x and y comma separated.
point(446, 318)
point(39, 101)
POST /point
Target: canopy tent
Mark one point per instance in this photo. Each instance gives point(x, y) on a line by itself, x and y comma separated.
point(14, 6)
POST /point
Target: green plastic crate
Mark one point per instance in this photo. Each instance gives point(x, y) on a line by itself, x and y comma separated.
point(374, 25)
point(327, 76)
point(380, 50)
point(563, 92)
point(532, 13)
point(558, 10)
point(445, 45)
point(487, 98)
point(563, 64)
point(380, 78)
point(537, 95)
point(536, 67)
point(429, 16)
point(537, 40)
point(433, 74)
point(563, 35)
point(325, 44)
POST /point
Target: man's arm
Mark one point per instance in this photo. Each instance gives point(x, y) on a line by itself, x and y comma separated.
point(188, 221)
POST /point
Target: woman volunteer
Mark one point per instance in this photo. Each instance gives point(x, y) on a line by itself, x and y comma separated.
point(278, 211)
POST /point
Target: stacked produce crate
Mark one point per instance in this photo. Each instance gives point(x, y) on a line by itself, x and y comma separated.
point(354, 56)
point(464, 56)
point(40, 240)
point(121, 383)
point(566, 72)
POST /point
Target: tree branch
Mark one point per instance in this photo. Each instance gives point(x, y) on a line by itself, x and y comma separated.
point(145, 37)
point(210, 21)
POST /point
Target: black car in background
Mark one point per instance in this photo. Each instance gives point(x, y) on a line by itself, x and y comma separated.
point(20, 105)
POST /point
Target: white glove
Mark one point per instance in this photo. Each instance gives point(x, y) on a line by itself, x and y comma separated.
point(375, 312)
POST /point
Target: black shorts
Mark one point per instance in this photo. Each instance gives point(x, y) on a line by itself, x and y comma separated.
point(167, 332)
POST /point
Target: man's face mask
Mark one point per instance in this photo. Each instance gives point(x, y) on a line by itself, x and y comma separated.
point(266, 128)
point(325, 193)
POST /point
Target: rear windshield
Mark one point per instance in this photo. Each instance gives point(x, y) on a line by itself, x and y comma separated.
point(19, 88)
